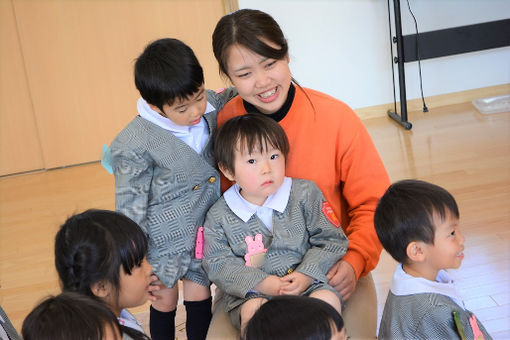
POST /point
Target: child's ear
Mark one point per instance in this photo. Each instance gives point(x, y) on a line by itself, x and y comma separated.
point(416, 251)
point(101, 289)
point(226, 172)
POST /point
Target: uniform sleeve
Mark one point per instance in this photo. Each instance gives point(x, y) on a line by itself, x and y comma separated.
point(133, 176)
point(222, 266)
point(328, 242)
point(364, 181)
point(220, 98)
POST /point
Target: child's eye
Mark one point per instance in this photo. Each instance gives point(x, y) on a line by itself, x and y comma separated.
point(243, 75)
point(251, 161)
point(200, 99)
point(275, 156)
point(452, 233)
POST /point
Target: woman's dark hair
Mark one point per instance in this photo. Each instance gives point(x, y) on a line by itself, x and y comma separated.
point(167, 70)
point(250, 131)
point(252, 29)
point(291, 317)
point(69, 316)
point(405, 213)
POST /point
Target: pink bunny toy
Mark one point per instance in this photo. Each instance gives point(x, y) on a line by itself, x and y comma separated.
point(256, 251)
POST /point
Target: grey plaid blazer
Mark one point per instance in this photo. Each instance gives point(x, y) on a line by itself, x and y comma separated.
point(7, 326)
point(424, 316)
point(302, 239)
point(166, 187)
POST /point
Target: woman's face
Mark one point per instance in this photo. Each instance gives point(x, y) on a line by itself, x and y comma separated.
point(261, 81)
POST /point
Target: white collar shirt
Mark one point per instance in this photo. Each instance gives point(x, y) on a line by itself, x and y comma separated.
point(245, 210)
point(405, 284)
point(195, 136)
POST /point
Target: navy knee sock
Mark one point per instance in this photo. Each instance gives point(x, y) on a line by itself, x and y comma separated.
point(198, 318)
point(162, 324)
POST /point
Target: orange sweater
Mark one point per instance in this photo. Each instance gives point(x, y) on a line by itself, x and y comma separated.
point(330, 145)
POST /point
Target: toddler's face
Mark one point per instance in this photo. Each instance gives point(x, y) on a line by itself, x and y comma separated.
point(447, 252)
point(259, 174)
point(187, 112)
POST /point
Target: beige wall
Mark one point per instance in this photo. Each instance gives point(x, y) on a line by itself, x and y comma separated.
point(66, 68)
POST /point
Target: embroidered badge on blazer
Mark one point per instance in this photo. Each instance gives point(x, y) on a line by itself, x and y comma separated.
point(256, 252)
point(330, 214)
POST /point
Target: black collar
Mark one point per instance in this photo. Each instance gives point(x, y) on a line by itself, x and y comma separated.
point(282, 112)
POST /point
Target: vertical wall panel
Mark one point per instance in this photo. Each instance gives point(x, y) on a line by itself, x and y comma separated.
point(79, 58)
point(19, 145)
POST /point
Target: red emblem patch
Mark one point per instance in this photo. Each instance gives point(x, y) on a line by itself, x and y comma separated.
point(330, 214)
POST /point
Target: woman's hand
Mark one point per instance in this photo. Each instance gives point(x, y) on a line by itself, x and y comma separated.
point(342, 277)
point(295, 283)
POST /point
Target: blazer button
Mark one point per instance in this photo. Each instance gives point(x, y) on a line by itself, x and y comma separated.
point(212, 179)
point(196, 187)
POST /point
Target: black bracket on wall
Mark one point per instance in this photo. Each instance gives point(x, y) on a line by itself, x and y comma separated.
point(441, 43)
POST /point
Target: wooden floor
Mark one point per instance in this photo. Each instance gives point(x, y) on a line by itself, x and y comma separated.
point(453, 146)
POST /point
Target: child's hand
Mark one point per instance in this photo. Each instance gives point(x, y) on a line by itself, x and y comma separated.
point(295, 283)
point(271, 285)
point(154, 286)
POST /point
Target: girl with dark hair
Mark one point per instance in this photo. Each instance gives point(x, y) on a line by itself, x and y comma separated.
point(293, 317)
point(71, 316)
point(328, 142)
point(102, 254)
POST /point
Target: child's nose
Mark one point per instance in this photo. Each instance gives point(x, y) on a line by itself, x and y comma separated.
point(147, 266)
point(265, 167)
point(461, 237)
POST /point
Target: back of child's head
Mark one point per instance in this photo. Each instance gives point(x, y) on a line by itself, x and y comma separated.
point(250, 132)
point(407, 212)
point(93, 246)
point(294, 317)
point(166, 71)
point(70, 316)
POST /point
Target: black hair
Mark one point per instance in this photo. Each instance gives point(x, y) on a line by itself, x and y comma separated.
point(252, 29)
point(166, 71)
point(69, 316)
point(406, 212)
point(93, 246)
point(250, 131)
point(293, 317)
point(247, 27)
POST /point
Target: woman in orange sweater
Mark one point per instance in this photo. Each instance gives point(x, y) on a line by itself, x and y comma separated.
point(328, 144)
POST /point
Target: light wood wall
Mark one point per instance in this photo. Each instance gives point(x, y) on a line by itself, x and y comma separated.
point(66, 84)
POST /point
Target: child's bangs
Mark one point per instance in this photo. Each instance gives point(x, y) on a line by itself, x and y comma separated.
point(134, 249)
point(259, 140)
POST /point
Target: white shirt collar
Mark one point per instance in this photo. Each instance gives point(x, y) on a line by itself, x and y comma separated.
point(245, 210)
point(127, 319)
point(405, 284)
point(152, 116)
point(195, 136)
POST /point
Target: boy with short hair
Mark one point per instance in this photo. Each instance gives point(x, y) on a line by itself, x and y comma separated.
point(418, 225)
point(166, 178)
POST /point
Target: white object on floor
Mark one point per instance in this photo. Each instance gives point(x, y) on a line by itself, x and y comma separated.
point(493, 104)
